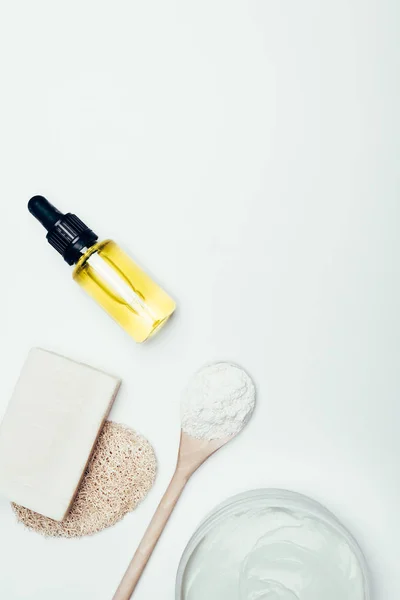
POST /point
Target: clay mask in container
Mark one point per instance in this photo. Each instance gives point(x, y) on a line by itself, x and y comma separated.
point(272, 545)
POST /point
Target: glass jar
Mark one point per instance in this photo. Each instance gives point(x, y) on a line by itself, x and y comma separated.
point(263, 500)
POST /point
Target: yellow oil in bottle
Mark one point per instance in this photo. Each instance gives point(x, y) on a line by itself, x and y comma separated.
point(123, 289)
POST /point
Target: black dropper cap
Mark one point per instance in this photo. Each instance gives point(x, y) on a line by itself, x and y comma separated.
point(66, 233)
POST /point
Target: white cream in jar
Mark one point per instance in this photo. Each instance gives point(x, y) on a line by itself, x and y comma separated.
point(282, 552)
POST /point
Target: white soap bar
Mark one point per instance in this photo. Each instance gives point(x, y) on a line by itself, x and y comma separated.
point(49, 430)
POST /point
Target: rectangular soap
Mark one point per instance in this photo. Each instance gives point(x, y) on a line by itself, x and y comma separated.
point(51, 425)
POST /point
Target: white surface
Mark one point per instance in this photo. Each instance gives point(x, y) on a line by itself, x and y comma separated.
point(246, 152)
point(51, 424)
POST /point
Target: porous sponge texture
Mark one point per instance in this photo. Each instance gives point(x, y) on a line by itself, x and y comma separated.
point(119, 475)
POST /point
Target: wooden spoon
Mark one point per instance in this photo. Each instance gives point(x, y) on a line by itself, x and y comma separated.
point(192, 454)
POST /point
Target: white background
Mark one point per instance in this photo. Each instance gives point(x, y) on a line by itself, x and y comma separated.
point(247, 153)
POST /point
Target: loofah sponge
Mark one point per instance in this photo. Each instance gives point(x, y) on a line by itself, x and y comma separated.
point(118, 476)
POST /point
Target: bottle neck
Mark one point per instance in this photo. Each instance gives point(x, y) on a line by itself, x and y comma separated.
point(87, 251)
point(80, 249)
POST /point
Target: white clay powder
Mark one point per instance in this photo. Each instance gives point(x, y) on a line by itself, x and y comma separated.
point(218, 402)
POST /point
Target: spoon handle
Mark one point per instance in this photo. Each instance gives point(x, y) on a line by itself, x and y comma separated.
point(151, 536)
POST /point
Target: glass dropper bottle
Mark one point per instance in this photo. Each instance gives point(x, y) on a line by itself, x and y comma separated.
point(106, 272)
